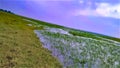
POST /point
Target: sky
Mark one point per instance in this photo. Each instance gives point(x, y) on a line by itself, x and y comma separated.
point(99, 16)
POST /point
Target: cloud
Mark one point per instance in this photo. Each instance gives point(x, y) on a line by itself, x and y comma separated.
point(102, 9)
point(49, 0)
point(107, 10)
point(81, 1)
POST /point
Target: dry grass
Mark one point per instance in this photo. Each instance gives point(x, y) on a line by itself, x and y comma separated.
point(19, 46)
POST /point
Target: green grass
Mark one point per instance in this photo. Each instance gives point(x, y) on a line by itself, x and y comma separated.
point(92, 35)
point(82, 51)
point(20, 47)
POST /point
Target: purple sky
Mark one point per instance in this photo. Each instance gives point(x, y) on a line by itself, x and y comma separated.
point(100, 16)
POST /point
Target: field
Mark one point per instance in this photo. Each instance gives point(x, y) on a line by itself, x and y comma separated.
point(77, 51)
point(25, 43)
point(80, 49)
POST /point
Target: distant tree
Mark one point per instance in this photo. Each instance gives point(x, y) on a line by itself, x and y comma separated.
point(1, 10)
point(6, 11)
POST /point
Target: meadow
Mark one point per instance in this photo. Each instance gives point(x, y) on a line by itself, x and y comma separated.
point(77, 48)
point(30, 43)
point(81, 52)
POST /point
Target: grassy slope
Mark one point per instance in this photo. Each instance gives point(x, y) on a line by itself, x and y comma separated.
point(19, 46)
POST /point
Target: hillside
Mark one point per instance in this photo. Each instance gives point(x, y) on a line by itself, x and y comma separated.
point(26, 43)
point(20, 47)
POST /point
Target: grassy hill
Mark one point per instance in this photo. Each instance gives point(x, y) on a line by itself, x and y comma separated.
point(29, 43)
point(20, 47)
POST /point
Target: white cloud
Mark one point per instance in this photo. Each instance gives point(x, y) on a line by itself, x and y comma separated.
point(108, 10)
point(103, 9)
point(81, 1)
point(49, 0)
